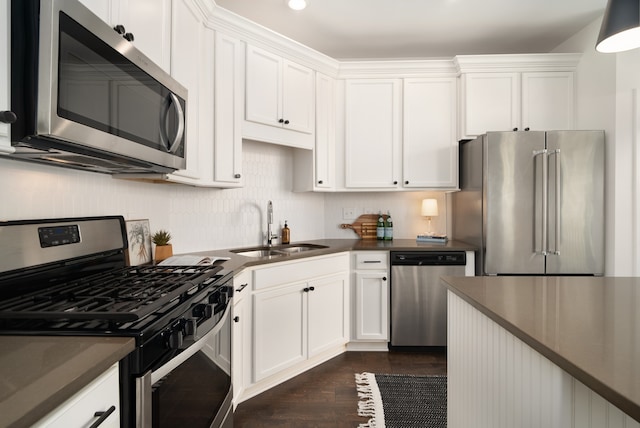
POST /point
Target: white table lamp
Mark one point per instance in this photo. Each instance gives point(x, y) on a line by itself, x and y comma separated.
point(429, 209)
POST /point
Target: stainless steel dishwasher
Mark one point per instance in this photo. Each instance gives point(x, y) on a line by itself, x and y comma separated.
point(418, 299)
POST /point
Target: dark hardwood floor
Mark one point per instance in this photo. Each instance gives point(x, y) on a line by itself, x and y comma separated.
point(326, 396)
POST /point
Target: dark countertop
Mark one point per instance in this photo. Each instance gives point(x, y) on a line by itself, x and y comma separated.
point(588, 326)
point(39, 373)
point(237, 262)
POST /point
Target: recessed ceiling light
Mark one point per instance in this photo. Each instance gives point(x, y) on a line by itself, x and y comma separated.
point(297, 4)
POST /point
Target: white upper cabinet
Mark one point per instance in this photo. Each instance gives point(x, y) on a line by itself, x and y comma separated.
point(5, 84)
point(315, 170)
point(187, 41)
point(148, 20)
point(373, 134)
point(548, 100)
point(280, 106)
point(430, 147)
point(229, 98)
point(530, 92)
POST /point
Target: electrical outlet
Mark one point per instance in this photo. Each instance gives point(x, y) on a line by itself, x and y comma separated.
point(348, 213)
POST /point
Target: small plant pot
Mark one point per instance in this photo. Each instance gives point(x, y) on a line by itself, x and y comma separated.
point(163, 252)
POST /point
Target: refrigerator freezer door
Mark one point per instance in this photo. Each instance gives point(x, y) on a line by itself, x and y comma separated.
point(576, 202)
point(513, 203)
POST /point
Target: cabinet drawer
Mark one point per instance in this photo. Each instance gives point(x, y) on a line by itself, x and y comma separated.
point(79, 410)
point(371, 260)
point(300, 270)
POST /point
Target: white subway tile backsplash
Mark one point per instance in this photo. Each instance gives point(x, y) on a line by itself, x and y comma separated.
point(202, 218)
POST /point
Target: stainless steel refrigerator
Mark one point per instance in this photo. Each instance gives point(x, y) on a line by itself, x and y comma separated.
point(533, 202)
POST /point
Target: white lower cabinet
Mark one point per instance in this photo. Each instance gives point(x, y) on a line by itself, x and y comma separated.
point(293, 316)
point(82, 408)
point(371, 293)
point(241, 335)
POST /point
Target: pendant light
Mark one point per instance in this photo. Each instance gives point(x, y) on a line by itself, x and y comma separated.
point(297, 4)
point(620, 29)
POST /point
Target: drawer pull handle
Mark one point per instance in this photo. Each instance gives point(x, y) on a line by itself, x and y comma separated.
point(103, 416)
point(372, 261)
point(242, 287)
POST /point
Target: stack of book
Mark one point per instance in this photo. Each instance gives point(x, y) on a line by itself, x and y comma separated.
point(431, 238)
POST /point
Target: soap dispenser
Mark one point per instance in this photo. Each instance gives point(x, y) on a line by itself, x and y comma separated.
point(286, 234)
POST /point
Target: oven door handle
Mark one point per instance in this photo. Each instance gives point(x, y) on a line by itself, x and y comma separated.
point(164, 370)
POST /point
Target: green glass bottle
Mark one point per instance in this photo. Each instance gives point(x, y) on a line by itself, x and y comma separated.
point(388, 228)
point(380, 227)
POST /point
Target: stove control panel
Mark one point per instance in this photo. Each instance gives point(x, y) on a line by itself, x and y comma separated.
point(54, 236)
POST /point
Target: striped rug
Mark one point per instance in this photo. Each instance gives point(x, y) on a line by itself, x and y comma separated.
point(402, 401)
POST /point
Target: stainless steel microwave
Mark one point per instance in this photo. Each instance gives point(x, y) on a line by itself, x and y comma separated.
point(84, 97)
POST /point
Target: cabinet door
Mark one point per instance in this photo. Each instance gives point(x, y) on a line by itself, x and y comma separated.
point(5, 83)
point(490, 102)
point(150, 23)
point(430, 148)
point(327, 310)
point(263, 87)
point(229, 90)
point(297, 97)
point(279, 326)
point(324, 154)
point(373, 133)
point(372, 306)
point(240, 348)
point(547, 101)
point(148, 20)
point(186, 43)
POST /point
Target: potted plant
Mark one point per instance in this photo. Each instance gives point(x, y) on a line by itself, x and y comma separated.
point(162, 240)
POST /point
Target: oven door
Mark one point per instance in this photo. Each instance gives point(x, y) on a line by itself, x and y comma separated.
point(194, 388)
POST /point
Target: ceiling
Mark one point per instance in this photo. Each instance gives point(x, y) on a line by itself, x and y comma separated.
point(404, 29)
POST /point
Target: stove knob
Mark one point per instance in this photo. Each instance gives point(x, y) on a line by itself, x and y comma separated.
point(190, 327)
point(175, 339)
point(202, 310)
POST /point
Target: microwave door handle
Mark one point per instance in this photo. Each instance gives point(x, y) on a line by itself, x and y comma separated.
point(180, 132)
point(164, 113)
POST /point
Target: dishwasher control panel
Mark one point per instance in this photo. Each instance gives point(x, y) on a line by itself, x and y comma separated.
point(429, 258)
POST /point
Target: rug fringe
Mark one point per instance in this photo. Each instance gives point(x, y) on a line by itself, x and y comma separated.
point(370, 404)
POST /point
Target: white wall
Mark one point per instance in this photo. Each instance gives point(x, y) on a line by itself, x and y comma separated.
point(199, 219)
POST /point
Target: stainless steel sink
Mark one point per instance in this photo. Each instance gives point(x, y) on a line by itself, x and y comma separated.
point(276, 250)
point(299, 248)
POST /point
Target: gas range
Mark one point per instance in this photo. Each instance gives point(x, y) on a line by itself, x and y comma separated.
point(69, 277)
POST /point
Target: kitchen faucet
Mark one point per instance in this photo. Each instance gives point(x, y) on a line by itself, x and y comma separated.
point(270, 235)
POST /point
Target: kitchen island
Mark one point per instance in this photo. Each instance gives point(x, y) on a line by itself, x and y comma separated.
point(544, 351)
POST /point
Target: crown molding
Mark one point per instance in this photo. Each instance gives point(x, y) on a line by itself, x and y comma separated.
point(397, 68)
point(516, 62)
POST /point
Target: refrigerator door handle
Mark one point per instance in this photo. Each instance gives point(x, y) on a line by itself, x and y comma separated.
point(558, 179)
point(544, 250)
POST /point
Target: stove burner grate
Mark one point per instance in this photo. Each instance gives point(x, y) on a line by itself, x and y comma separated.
point(127, 294)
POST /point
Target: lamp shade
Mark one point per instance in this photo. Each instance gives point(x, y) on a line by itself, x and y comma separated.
point(429, 207)
point(620, 30)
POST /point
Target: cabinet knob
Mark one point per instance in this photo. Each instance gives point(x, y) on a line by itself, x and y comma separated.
point(286, 122)
point(120, 29)
point(406, 182)
point(312, 288)
point(8, 116)
point(306, 289)
point(280, 120)
point(395, 182)
point(526, 129)
point(319, 181)
point(236, 318)
point(237, 176)
point(384, 278)
point(515, 129)
point(129, 36)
